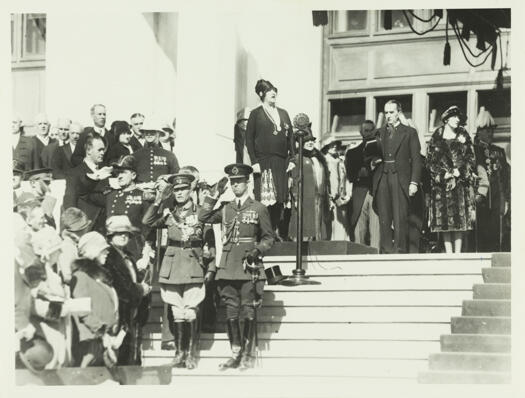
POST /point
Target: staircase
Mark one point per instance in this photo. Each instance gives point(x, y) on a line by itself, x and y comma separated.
point(372, 318)
point(479, 348)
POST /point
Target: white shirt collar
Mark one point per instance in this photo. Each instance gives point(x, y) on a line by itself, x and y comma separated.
point(44, 140)
point(72, 146)
point(16, 139)
point(100, 130)
point(90, 164)
point(166, 145)
point(242, 199)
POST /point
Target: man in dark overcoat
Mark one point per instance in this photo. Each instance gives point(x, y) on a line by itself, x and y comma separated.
point(396, 179)
point(247, 234)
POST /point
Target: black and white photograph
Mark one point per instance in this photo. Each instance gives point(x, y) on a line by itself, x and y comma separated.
point(269, 199)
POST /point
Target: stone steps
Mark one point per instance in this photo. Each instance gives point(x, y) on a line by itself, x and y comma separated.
point(464, 377)
point(496, 275)
point(481, 325)
point(476, 343)
point(471, 361)
point(492, 291)
point(486, 308)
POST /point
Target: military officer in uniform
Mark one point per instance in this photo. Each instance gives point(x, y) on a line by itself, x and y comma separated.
point(247, 234)
point(182, 274)
point(128, 201)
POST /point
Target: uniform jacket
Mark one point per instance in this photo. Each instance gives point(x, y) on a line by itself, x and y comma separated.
point(86, 194)
point(250, 222)
point(80, 152)
point(124, 275)
point(91, 280)
point(493, 159)
point(61, 161)
point(129, 203)
point(153, 161)
point(180, 265)
point(360, 175)
point(406, 152)
point(26, 152)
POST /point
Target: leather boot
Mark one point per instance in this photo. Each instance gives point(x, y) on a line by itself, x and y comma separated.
point(191, 336)
point(178, 332)
point(248, 354)
point(234, 335)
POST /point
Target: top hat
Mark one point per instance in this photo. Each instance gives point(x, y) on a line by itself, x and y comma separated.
point(118, 224)
point(238, 170)
point(125, 163)
point(452, 111)
point(274, 275)
point(181, 180)
point(74, 220)
point(43, 174)
point(91, 244)
point(243, 114)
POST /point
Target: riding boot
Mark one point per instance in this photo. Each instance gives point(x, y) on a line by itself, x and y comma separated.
point(191, 336)
point(178, 332)
point(248, 354)
point(234, 335)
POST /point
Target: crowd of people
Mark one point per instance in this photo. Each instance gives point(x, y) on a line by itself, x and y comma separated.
point(131, 217)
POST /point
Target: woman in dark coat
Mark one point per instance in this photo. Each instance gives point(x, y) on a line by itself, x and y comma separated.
point(121, 147)
point(270, 144)
point(452, 168)
point(316, 194)
point(130, 291)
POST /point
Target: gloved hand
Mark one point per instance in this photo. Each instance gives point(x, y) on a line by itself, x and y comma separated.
point(253, 256)
point(209, 277)
point(220, 187)
point(164, 193)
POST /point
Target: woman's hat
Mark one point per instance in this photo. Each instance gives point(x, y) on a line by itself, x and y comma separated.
point(119, 127)
point(327, 140)
point(274, 275)
point(46, 241)
point(74, 220)
point(181, 180)
point(91, 244)
point(118, 224)
point(452, 111)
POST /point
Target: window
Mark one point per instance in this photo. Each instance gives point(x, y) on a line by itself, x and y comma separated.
point(354, 21)
point(406, 107)
point(347, 115)
point(439, 102)
point(498, 104)
point(399, 21)
point(420, 20)
point(28, 39)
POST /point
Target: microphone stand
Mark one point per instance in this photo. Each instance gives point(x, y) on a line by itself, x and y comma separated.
point(298, 276)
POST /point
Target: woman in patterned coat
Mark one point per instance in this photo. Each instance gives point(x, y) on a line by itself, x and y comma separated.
point(452, 167)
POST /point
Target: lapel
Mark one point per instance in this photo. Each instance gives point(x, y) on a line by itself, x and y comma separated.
point(397, 139)
point(67, 150)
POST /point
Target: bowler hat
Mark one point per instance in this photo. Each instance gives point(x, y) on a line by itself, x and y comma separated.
point(27, 199)
point(181, 180)
point(125, 163)
point(74, 220)
point(118, 224)
point(91, 244)
point(43, 174)
point(238, 170)
point(274, 275)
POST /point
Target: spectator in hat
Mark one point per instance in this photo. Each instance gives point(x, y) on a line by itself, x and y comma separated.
point(97, 331)
point(29, 207)
point(74, 224)
point(453, 180)
point(128, 281)
point(340, 189)
point(270, 145)
point(239, 136)
point(24, 148)
point(167, 141)
point(61, 161)
point(98, 114)
point(136, 122)
point(87, 183)
point(122, 146)
point(316, 192)
point(18, 174)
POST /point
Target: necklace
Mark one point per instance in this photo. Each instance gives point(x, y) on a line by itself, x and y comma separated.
point(276, 123)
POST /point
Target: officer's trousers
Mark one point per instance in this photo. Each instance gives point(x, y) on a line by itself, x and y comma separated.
point(239, 297)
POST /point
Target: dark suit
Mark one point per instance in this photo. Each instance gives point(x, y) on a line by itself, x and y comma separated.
point(135, 143)
point(61, 161)
point(43, 153)
point(80, 151)
point(25, 152)
point(401, 165)
point(116, 151)
point(87, 195)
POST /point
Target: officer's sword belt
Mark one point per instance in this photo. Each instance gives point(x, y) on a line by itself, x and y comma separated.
point(185, 243)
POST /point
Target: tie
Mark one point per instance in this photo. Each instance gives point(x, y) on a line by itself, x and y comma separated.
point(238, 205)
point(390, 130)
